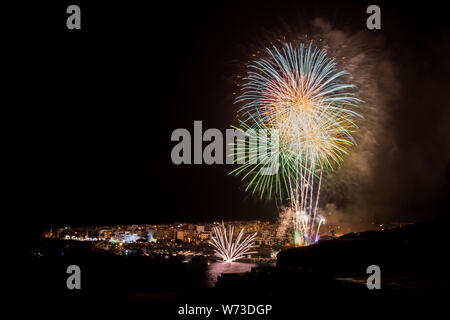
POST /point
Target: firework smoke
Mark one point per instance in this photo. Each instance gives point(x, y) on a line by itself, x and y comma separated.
point(345, 187)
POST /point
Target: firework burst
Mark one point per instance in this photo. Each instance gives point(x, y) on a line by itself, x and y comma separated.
point(300, 93)
point(230, 249)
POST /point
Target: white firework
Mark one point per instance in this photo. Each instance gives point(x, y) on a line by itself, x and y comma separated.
point(229, 249)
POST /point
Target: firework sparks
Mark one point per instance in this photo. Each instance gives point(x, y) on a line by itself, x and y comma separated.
point(227, 248)
point(300, 93)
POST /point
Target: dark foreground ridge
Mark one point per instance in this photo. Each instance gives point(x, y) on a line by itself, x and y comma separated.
point(416, 251)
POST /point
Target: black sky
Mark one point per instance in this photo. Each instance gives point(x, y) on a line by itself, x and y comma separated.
point(97, 108)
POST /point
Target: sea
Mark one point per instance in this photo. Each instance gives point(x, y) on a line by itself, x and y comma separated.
point(117, 276)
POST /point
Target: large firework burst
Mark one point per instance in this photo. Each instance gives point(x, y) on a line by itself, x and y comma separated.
point(299, 93)
point(230, 249)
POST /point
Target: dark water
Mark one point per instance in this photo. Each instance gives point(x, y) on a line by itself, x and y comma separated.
point(109, 275)
point(215, 269)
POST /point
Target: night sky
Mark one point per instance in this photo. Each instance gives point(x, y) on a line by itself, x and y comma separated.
point(98, 106)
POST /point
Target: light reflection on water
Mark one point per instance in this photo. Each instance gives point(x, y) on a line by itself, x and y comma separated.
point(215, 269)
